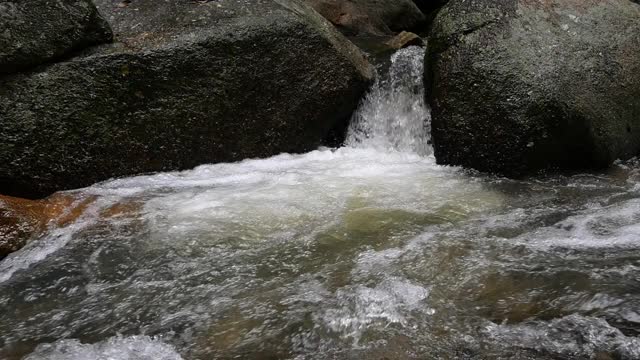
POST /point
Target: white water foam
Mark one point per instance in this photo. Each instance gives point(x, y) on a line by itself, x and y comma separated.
point(115, 348)
point(394, 115)
point(596, 227)
point(265, 200)
point(361, 307)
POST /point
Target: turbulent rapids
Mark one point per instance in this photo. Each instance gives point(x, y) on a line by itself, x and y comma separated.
point(369, 251)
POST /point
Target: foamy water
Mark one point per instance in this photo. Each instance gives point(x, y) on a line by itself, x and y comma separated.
point(367, 251)
point(394, 115)
point(120, 348)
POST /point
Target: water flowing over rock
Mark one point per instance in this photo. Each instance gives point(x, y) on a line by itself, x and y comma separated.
point(517, 86)
point(364, 252)
point(38, 31)
point(184, 85)
point(394, 115)
point(370, 17)
point(23, 220)
point(16, 227)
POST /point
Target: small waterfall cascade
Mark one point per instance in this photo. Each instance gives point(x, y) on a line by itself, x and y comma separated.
point(394, 115)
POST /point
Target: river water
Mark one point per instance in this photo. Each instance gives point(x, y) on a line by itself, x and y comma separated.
point(370, 251)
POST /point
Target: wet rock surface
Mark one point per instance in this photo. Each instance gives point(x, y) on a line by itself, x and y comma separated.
point(517, 86)
point(186, 84)
point(17, 224)
point(373, 17)
point(405, 39)
point(23, 220)
point(39, 31)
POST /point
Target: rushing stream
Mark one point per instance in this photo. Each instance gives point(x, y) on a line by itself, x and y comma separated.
point(370, 251)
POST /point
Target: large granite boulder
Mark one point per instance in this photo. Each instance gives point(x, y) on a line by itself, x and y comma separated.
point(370, 17)
point(38, 31)
point(186, 83)
point(517, 86)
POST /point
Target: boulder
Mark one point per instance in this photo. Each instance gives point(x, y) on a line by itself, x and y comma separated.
point(517, 86)
point(186, 83)
point(370, 17)
point(38, 31)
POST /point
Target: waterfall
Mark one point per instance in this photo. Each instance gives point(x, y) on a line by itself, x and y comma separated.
point(394, 115)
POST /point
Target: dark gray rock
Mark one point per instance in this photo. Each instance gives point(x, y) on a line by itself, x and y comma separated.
point(33, 32)
point(186, 84)
point(370, 17)
point(517, 86)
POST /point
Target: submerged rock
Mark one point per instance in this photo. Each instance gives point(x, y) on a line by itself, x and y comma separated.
point(186, 83)
point(17, 223)
point(23, 220)
point(373, 17)
point(38, 31)
point(517, 86)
